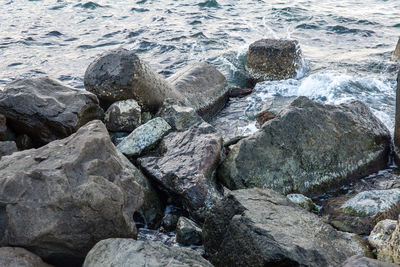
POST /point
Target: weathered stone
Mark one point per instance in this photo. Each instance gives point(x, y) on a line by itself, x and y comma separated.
point(187, 167)
point(129, 252)
point(308, 146)
point(169, 222)
point(303, 201)
point(381, 233)
point(258, 227)
point(7, 148)
point(20, 257)
point(3, 127)
point(396, 53)
point(60, 199)
point(360, 261)
point(144, 137)
point(188, 232)
point(272, 59)
point(264, 116)
point(47, 110)
point(390, 251)
point(120, 75)
point(123, 116)
point(203, 86)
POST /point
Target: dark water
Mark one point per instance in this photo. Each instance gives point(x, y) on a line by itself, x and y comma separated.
point(347, 44)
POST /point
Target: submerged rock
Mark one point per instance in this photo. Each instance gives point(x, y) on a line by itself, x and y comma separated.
point(20, 257)
point(188, 232)
point(123, 116)
point(47, 110)
point(381, 233)
point(7, 148)
point(360, 261)
point(257, 227)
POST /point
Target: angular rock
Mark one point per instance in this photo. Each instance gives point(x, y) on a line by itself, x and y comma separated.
point(381, 233)
point(20, 257)
point(123, 116)
point(258, 227)
point(204, 87)
point(3, 127)
point(47, 110)
point(61, 199)
point(187, 167)
point(129, 252)
point(390, 251)
point(396, 53)
point(303, 201)
point(7, 148)
point(169, 222)
point(120, 75)
point(309, 146)
point(272, 59)
point(188, 232)
point(360, 261)
point(144, 137)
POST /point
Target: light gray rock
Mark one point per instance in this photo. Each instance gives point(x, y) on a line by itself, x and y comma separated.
point(129, 252)
point(308, 146)
point(396, 53)
point(123, 116)
point(390, 251)
point(61, 199)
point(47, 110)
point(179, 116)
point(144, 137)
point(188, 232)
point(303, 201)
point(360, 261)
point(20, 257)
point(7, 148)
point(203, 86)
point(381, 233)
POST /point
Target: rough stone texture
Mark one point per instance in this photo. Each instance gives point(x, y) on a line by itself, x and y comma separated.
point(381, 233)
point(3, 127)
point(186, 167)
point(264, 116)
point(61, 199)
point(20, 257)
point(360, 261)
point(390, 252)
point(303, 201)
point(259, 227)
point(308, 146)
point(129, 252)
point(397, 124)
point(169, 222)
point(396, 53)
point(204, 87)
point(144, 137)
point(188, 232)
point(123, 116)
point(272, 59)
point(7, 148)
point(120, 75)
point(47, 110)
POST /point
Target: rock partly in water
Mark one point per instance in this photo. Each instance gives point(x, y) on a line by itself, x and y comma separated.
point(144, 138)
point(120, 75)
point(303, 201)
point(259, 227)
point(129, 252)
point(123, 116)
point(61, 199)
point(3, 127)
point(20, 257)
point(360, 261)
point(396, 53)
point(203, 86)
point(188, 232)
point(7, 148)
point(381, 233)
point(47, 110)
point(308, 146)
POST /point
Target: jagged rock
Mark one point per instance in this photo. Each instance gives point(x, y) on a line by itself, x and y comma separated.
point(144, 137)
point(120, 75)
point(381, 233)
point(188, 232)
point(47, 110)
point(129, 252)
point(272, 59)
point(390, 251)
point(186, 167)
point(3, 127)
point(204, 87)
point(258, 227)
point(396, 53)
point(20, 257)
point(123, 116)
point(303, 201)
point(60, 199)
point(308, 146)
point(7, 148)
point(169, 222)
point(360, 261)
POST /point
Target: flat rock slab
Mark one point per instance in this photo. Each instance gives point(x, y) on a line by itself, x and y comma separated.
point(20, 257)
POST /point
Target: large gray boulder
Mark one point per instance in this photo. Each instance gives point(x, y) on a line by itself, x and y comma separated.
point(61, 199)
point(203, 86)
point(308, 146)
point(47, 110)
point(20, 257)
point(259, 227)
point(120, 75)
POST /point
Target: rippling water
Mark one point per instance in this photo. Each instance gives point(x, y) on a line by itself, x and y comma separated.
point(347, 44)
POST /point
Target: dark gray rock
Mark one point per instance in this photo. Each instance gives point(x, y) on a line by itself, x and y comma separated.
point(360, 261)
point(257, 227)
point(7, 148)
point(123, 116)
point(397, 123)
point(169, 222)
point(129, 252)
point(20, 257)
point(24, 142)
point(308, 146)
point(47, 110)
point(188, 232)
point(61, 199)
point(3, 127)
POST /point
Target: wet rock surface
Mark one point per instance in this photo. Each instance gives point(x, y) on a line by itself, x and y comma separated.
point(123, 116)
point(7, 148)
point(188, 232)
point(20, 257)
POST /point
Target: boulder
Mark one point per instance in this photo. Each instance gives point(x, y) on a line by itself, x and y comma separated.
point(7, 148)
point(396, 53)
point(120, 75)
point(203, 86)
point(303, 201)
point(61, 199)
point(259, 227)
point(381, 233)
point(188, 232)
point(47, 110)
point(143, 138)
point(360, 261)
point(169, 222)
point(129, 252)
point(272, 59)
point(186, 167)
point(307, 147)
point(390, 251)
point(20, 257)
point(123, 116)
point(3, 127)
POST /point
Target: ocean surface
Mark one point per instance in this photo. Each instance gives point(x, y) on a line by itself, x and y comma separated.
point(346, 45)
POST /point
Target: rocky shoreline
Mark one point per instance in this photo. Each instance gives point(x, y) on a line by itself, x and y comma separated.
point(82, 170)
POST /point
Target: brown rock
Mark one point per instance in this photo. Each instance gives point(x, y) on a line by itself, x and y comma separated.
point(264, 116)
point(3, 127)
point(239, 92)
